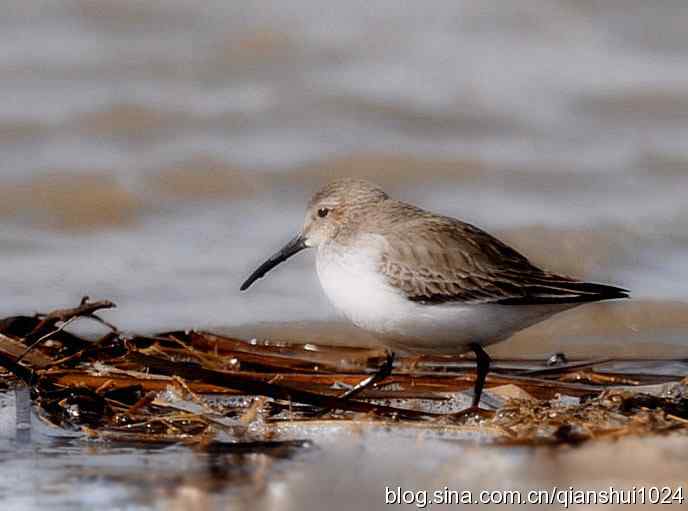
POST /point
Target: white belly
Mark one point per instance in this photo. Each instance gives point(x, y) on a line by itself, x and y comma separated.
point(351, 282)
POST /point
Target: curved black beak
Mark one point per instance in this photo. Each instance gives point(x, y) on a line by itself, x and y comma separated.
point(295, 245)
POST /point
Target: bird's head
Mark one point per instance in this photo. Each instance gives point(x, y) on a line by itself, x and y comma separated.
point(339, 205)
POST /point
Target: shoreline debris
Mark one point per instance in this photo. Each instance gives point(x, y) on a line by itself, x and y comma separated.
point(207, 390)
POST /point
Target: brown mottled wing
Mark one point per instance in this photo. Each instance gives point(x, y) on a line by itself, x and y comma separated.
point(440, 259)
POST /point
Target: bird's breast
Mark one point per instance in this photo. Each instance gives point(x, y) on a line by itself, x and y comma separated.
point(350, 278)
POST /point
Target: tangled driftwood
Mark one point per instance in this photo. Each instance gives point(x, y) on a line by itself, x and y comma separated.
point(211, 390)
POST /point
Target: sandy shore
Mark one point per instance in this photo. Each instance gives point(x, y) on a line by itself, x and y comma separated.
point(642, 329)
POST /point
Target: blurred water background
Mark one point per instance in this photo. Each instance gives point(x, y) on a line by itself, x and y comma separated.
point(154, 152)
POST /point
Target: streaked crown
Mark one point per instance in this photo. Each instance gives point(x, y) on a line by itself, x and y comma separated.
point(348, 191)
point(338, 207)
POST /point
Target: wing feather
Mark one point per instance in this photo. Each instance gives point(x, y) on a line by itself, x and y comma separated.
point(435, 259)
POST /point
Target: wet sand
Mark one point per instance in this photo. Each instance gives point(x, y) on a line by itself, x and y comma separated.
point(344, 469)
point(638, 329)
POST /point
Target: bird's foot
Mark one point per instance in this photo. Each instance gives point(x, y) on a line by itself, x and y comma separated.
point(471, 412)
point(371, 381)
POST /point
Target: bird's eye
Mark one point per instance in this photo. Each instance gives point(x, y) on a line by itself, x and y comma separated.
point(322, 212)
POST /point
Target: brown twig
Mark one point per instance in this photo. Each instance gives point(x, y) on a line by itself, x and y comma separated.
point(85, 309)
point(43, 338)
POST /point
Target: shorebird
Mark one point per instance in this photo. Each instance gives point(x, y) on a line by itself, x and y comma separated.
point(424, 283)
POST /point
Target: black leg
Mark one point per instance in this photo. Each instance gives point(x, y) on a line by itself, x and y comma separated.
point(483, 367)
point(383, 372)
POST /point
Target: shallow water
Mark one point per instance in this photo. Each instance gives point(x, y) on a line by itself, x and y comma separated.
point(154, 153)
point(342, 467)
